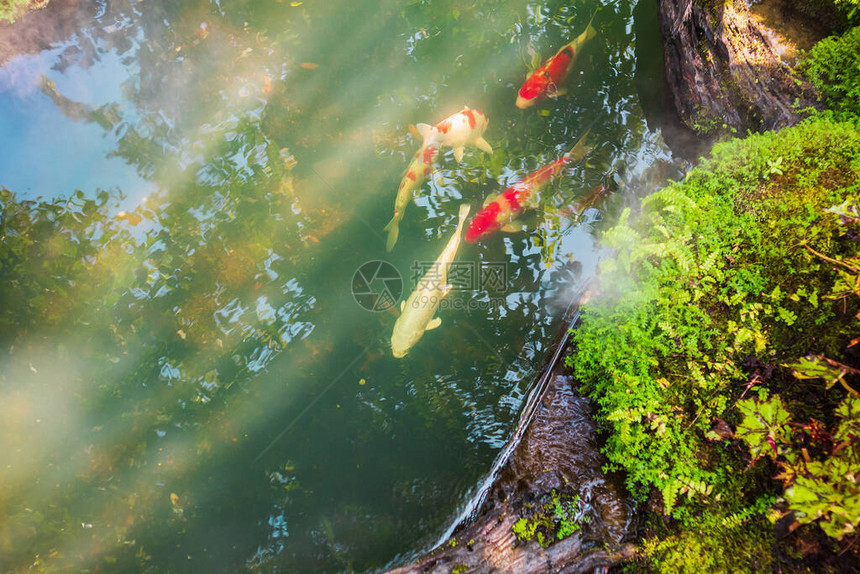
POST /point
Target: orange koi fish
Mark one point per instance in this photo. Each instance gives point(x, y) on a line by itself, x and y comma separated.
point(500, 212)
point(545, 80)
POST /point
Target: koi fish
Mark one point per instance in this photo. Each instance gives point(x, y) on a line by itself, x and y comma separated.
point(545, 80)
point(413, 178)
point(595, 194)
point(418, 311)
point(464, 127)
point(500, 212)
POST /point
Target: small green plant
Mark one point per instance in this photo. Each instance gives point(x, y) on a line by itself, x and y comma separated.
point(562, 516)
point(525, 530)
point(764, 427)
point(774, 167)
point(833, 67)
point(825, 490)
point(850, 9)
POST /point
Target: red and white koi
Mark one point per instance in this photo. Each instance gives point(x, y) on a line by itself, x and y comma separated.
point(500, 212)
point(418, 170)
point(545, 81)
point(456, 131)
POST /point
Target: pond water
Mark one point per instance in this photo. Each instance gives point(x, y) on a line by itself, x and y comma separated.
point(187, 380)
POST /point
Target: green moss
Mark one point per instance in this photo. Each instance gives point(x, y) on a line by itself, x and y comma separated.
point(711, 548)
point(720, 273)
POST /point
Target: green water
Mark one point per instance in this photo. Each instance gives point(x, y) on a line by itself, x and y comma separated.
point(186, 380)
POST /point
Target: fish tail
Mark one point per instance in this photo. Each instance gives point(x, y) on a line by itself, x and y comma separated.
point(464, 213)
point(589, 29)
point(587, 34)
point(393, 229)
point(580, 150)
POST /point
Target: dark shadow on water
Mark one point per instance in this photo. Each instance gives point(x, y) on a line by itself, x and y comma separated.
point(653, 87)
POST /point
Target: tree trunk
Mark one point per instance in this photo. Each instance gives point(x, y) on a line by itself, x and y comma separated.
point(723, 73)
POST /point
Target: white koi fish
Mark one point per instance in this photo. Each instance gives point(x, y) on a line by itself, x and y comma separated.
point(457, 131)
point(417, 313)
point(414, 177)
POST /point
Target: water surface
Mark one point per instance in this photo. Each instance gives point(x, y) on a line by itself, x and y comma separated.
point(186, 380)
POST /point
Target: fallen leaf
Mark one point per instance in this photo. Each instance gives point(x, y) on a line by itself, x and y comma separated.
point(309, 65)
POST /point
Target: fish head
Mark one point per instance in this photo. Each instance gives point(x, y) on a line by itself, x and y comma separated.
point(523, 103)
point(403, 339)
point(400, 343)
point(399, 351)
point(534, 89)
point(487, 221)
point(405, 334)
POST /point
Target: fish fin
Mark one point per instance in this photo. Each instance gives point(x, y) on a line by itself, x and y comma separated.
point(390, 223)
point(590, 31)
point(402, 306)
point(580, 150)
point(425, 131)
point(483, 145)
point(458, 154)
point(393, 229)
point(464, 212)
point(433, 324)
point(512, 227)
point(557, 93)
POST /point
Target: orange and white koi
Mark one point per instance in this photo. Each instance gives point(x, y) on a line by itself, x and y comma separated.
point(418, 170)
point(545, 81)
point(500, 212)
point(456, 131)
